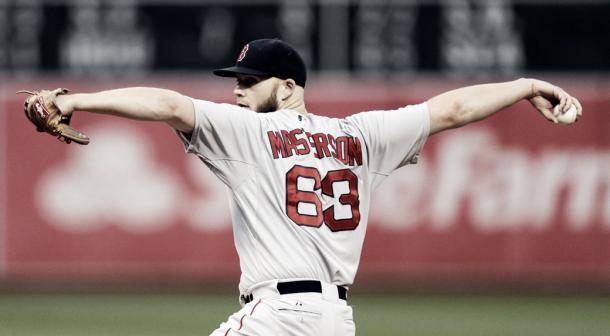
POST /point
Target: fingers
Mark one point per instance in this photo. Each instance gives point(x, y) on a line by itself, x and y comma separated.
point(578, 106)
point(546, 92)
point(567, 104)
point(565, 100)
point(548, 114)
point(545, 107)
point(578, 109)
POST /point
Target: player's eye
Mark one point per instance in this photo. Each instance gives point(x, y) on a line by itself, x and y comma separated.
point(247, 81)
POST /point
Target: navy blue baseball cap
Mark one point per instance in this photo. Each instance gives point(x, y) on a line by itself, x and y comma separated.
point(270, 58)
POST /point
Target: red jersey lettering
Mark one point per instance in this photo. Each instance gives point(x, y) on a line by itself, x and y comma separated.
point(346, 149)
point(277, 144)
point(299, 142)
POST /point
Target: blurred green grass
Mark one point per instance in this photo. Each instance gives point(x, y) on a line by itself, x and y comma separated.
point(152, 314)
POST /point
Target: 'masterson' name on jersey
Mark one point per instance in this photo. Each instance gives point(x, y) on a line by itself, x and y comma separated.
point(346, 149)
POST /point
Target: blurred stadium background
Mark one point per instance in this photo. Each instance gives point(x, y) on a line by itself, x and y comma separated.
point(502, 229)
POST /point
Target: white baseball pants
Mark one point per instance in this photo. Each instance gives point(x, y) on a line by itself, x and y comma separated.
point(298, 314)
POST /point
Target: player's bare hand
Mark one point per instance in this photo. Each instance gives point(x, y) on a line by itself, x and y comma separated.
point(544, 106)
point(545, 96)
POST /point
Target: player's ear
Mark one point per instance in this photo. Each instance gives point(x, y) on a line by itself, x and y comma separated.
point(287, 88)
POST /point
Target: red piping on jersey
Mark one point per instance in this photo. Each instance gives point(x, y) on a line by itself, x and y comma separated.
point(241, 321)
point(252, 312)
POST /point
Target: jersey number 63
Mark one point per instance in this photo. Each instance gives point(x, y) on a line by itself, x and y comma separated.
point(294, 196)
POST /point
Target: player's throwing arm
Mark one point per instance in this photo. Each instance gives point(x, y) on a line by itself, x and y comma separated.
point(465, 105)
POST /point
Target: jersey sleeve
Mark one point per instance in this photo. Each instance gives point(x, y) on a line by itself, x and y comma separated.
point(393, 138)
point(222, 132)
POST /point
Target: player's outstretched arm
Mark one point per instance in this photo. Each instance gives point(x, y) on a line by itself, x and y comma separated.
point(469, 104)
point(140, 103)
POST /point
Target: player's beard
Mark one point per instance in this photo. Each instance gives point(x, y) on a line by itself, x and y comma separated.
point(269, 105)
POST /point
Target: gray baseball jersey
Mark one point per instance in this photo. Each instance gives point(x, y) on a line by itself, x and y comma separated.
point(300, 185)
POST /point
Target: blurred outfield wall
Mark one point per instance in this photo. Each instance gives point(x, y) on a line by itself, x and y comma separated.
point(513, 200)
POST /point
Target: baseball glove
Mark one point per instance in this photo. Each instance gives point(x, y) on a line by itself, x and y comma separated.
point(41, 110)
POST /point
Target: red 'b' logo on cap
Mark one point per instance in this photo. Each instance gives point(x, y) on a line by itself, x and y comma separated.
point(242, 54)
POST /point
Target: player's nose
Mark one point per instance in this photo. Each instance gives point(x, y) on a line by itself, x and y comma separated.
point(238, 92)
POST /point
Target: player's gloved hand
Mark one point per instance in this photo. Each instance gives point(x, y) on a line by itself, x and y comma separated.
point(41, 109)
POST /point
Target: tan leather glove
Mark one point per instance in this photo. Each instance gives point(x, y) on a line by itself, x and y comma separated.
point(41, 110)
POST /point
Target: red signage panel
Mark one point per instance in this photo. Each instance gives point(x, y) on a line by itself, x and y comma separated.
point(511, 199)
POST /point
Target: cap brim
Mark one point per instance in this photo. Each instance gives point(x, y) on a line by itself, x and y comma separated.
point(235, 70)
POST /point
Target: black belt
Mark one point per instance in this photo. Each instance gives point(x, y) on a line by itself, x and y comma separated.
point(302, 286)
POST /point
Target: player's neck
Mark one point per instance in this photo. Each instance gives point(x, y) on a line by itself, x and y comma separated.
point(295, 105)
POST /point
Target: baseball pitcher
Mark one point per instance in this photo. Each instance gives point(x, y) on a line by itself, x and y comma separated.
point(300, 183)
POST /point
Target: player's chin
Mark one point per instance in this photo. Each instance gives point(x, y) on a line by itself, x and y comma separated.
point(266, 108)
point(256, 109)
